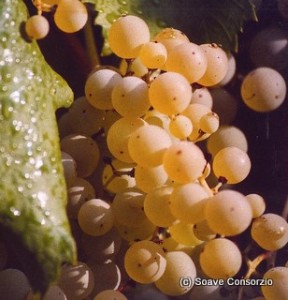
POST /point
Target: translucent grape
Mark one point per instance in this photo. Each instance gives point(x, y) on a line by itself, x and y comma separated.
point(263, 89)
point(144, 231)
point(110, 294)
point(184, 162)
point(85, 152)
point(158, 201)
point(37, 27)
point(209, 123)
point(95, 217)
point(228, 213)
point(145, 261)
point(279, 289)
point(149, 178)
point(171, 37)
point(257, 203)
point(118, 137)
point(170, 93)
point(231, 163)
point(70, 15)
point(128, 208)
point(130, 97)
point(153, 55)
point(179, 265)
point(99, 86)
point(203, 232)
point(180, 126)
point(227, 136)
point(78, 193)
point(217, 65)
point(184, 234)
point(148, 144)
point(230, 72)
point(220, 258)
point(195, 112)
point(187, 59)
point(187, 202)
point(270, 231)
point(202, 96)
point(133, 67)
point(76, 281)
point(126, 36)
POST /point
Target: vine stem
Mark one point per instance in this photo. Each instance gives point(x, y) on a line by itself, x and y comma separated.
point(91, 47)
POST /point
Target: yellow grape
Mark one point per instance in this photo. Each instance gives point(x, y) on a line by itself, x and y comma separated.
point(127, 207)
point(136, 68)
point(179, 265)
point(184, 234)
point(227, 136)
point(263, 89)
point(110, 294)
point(209, 123)
point(203, 232)
point(171, 37)
point(279, 289)
point(158, 201)
point(257, 203)
point(180, 126)
point(231, 163)
point(37, 27)
point(270, 231)
point(149, 178)
point(126, 36)
point(220, 258)
point(187, 202)
point(145, 261)
point(70, 15)
point(187, 59)
point(153, 55)
point(99, 86)
point(95, 217)
point(184, 162)
point(217, 65)
point(170, 93)
point(169, 245)
point(228, 213)
point(118, 137)
point(202, 96)
point(130, 97)
point(148, 144)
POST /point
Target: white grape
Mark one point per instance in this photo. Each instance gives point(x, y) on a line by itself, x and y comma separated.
point(37, 27)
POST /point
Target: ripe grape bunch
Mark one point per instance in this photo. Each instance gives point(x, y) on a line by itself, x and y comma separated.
point(147, 204)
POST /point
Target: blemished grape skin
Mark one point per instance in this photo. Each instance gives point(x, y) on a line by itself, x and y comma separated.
point(220, 258)
point(270, 231)
point(126, 36)
point(263, 89)
point(279, 289)
point(145, 261)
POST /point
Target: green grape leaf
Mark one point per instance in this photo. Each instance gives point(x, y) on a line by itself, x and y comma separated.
point(33, 220)
point(203, 21)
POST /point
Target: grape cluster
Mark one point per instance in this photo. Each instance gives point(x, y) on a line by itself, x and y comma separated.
point(150, 160)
